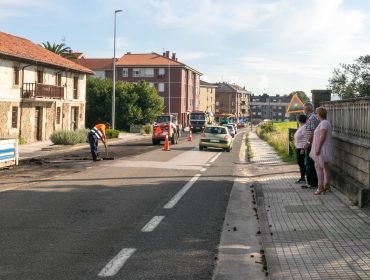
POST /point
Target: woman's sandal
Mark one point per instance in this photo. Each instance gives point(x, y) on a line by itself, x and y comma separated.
point(327, 188)
point(319, 191)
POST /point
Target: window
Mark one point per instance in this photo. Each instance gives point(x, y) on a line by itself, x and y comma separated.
point(58, 79)
point(124, 72)
point(151, 84)
point(16, 75)
point(161, 87)
point(75, 87)
point(143, 72)
point(58, 115)
point(161, 73)
point(40, 76)
point(14, 117)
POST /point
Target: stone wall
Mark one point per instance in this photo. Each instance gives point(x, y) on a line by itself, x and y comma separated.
point(350, 168)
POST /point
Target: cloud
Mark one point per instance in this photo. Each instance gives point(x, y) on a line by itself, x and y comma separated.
point(23, 8)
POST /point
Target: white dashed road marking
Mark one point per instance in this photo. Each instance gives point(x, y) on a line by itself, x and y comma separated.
point(116, 263)
point(215, 157)
point(181, 193)
point(152, 224)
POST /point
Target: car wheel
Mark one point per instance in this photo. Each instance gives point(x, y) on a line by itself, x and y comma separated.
point(201, 148)
point(228, 149)
point(155, 142)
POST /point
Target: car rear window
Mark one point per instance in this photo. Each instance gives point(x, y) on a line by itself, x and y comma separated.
point(215, 130)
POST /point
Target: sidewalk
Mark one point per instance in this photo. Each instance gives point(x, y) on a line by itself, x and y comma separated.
point(47, 148)
point(306, 236)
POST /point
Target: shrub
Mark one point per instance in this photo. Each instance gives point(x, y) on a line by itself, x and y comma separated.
point(69, 137)
point(146, 129)
point(21, 140)
point(112, 133)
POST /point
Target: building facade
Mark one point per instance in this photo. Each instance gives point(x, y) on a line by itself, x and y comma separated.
point(207, 97)
point(175, 82)
point(232, 99)
point(269, 107)
point(40, 91)
point(103, 67)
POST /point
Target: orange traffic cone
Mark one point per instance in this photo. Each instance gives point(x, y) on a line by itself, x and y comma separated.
point(190, 137)
point(166, 146)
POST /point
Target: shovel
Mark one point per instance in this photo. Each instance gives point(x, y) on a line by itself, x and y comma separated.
point(106, 154)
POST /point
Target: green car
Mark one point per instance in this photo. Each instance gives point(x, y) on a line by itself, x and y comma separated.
point(216, 137)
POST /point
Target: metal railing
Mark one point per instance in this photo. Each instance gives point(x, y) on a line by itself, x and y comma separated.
point(350, 118)
point(36, 90)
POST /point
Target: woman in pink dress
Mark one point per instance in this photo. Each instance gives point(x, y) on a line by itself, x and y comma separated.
point(322, 151)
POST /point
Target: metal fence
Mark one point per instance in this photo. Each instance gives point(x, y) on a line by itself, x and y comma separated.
point(350, 118)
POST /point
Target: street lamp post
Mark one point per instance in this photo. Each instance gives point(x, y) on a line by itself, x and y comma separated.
point(169, 87)
point(114, 73)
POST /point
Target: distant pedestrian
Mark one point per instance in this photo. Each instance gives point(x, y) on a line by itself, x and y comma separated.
point(96, 133)
point(310, 126)
point(299, 142)
point(322, 151)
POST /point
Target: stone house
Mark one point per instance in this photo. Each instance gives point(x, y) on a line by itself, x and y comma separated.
point(40, 91)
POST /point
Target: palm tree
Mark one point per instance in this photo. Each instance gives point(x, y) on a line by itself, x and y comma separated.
point(60, 49)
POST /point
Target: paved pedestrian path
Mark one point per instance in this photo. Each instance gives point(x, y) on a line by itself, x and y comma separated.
point(306, 236)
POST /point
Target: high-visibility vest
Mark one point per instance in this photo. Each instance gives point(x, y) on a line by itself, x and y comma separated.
point(99, 131)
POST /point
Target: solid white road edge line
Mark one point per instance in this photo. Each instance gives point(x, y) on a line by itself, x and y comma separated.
point(116, 263)
point(215, 157)
point(152, 224)
point(181, 192)
point(203, 169)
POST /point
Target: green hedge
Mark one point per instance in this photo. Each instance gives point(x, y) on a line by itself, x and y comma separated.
point(112, 133)
point(69, 137)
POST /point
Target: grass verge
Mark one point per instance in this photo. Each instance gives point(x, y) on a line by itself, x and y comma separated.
point(276, 134)
point(248, 147)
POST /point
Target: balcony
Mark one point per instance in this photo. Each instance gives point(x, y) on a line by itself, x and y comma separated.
point(36, 90)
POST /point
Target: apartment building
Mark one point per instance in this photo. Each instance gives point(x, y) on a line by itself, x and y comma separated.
point(103, 67)
point(40, 91)
point(177, 83)
point(207, 97)
point(232, 99)
point(269, 107)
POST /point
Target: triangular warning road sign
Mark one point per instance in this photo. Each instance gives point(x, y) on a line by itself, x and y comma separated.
point(295, 106)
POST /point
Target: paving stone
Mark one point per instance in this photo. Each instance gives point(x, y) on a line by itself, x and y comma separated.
point(313, 237)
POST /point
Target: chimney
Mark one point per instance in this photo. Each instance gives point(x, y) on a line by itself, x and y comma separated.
point(173, 56)
point(168, 54)
point(128, 53)
point(164, 54)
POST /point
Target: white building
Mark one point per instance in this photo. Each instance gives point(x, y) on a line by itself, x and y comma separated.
point(40, 91)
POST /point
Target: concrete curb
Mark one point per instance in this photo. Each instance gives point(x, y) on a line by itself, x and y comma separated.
point(239, 250)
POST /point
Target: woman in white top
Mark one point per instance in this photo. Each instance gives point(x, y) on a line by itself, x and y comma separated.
point(299, 142)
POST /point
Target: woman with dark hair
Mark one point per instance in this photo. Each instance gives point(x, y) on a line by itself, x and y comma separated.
point(299, 141)
point(322, 151)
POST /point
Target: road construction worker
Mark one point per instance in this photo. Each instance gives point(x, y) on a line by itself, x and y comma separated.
point(96, 133)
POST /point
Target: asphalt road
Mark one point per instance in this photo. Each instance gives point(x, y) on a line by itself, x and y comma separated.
point(149, 214)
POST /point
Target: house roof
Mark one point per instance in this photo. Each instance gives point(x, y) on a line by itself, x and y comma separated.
point(150, 59)
point(96, 63)
point(206, 84)
point(230, 88)
point(18, 47)
point(78, 55)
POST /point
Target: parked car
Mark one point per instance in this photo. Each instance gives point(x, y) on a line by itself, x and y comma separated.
point(216, 137)
point(231, 129)
point(235, 127)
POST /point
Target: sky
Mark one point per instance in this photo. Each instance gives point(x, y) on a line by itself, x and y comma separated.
point(268, 46)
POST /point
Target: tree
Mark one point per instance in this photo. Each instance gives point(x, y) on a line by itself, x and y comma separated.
point(60, 49)
point(301, 94)
point(135, 103)
point(353, 80)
